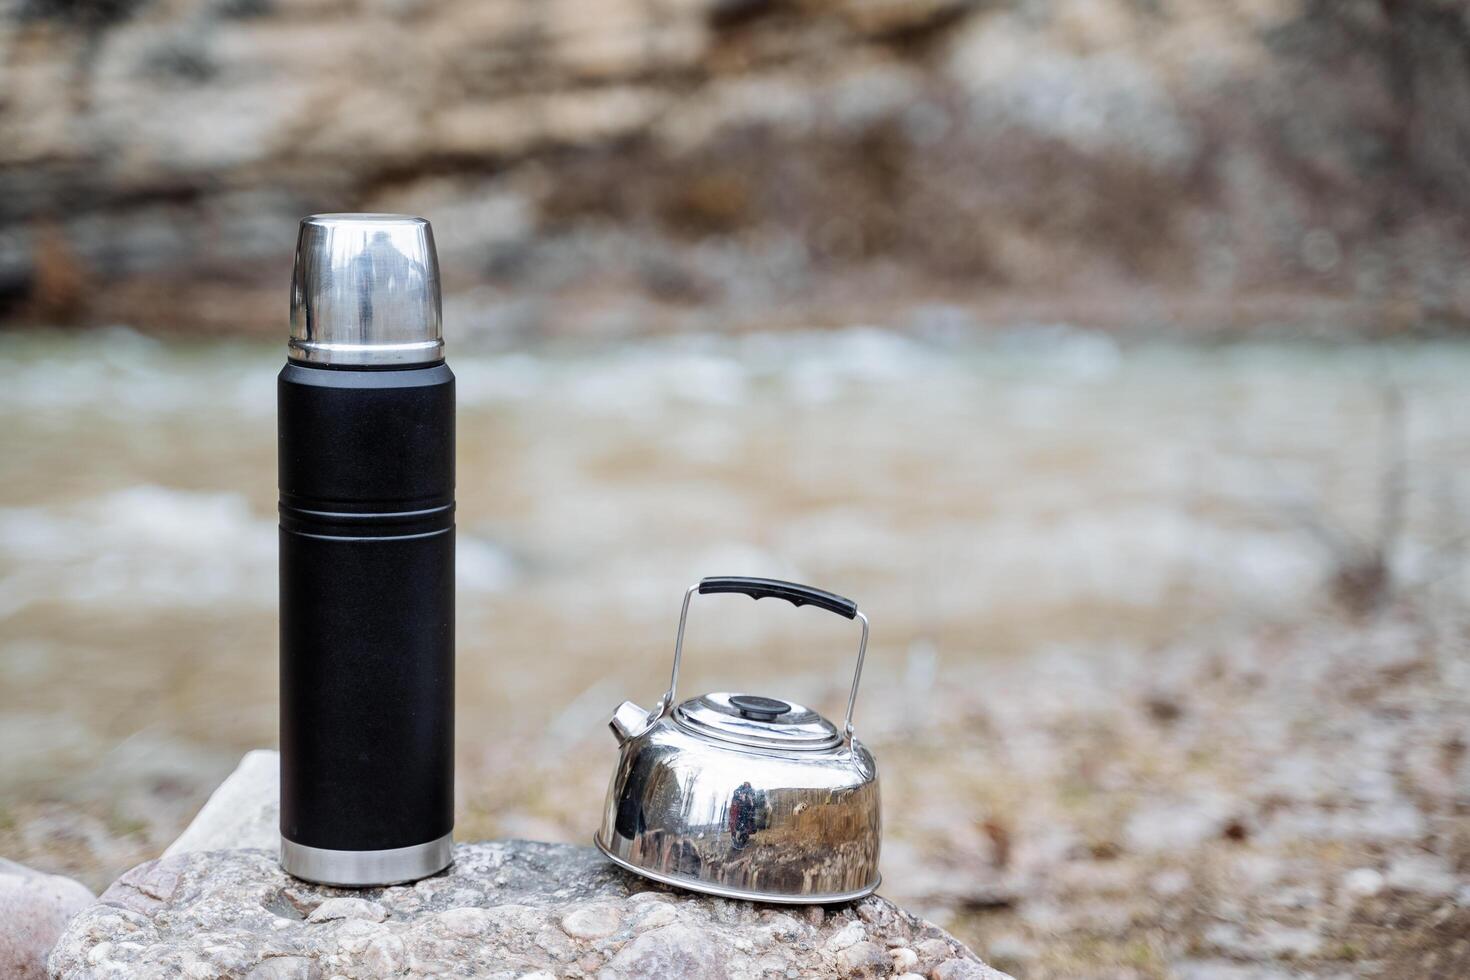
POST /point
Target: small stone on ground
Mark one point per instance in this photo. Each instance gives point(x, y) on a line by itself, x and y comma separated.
point(34, 909)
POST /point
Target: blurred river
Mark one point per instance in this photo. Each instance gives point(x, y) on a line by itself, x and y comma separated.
point(980, 497)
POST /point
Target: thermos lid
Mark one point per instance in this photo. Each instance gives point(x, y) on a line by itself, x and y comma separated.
point(365, 291)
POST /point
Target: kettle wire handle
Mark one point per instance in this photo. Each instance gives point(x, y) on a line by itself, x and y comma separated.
point(760, 588)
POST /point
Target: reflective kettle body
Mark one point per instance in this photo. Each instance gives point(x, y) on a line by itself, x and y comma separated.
point(745, 796)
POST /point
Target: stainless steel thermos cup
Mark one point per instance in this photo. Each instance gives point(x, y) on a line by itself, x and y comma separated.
point(366, 466)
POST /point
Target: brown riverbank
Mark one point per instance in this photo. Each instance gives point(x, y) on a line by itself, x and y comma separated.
point(615, 168)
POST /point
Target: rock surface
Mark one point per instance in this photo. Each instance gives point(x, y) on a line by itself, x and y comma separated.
point(243, 812)
point(34, 908)
point(505, 909)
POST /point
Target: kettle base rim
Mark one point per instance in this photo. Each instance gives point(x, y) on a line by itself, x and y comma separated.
point(741, 894)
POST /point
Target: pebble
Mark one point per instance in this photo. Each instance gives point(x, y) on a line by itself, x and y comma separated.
point(863, 959)
point(845, 937)
point(592, 922)
point(464, 922)
point(282, 968)
point(1227, 970)
point(355, 935)
point(1268, 941)
point(1174, 826)
point(1169, 883)
point(933, 951)
point(384, 955)
point(657, 915)
point(1425, 874)
point(1283, 942)
point(1009, 946)
point(1362, 882)
point(673, 951)
point(34, 909)
point(965, 970)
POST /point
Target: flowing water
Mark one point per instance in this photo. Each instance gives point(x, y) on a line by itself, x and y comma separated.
point(986, 496)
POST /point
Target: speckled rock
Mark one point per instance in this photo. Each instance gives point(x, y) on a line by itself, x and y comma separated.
point(244, 811)
point(505, 909)
point(34, 908)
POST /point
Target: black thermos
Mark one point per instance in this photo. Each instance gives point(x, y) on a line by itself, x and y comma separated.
point(366, 464)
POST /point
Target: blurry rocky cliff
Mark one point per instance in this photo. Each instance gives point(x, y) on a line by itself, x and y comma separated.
point(616, 166)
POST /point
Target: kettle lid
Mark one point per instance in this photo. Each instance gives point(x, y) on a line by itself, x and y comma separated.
point(760, 722)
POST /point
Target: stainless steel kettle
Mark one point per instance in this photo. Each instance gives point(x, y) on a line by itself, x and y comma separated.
point(742, 795)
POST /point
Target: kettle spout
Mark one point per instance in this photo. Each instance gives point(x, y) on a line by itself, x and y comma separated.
point(628, 722)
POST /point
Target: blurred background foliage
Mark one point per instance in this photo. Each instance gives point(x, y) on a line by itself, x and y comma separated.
point(1109, 352)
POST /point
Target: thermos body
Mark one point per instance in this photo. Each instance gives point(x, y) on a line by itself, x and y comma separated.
point(366, 472)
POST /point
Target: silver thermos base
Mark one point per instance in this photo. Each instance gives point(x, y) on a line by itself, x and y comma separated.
point(357, 869)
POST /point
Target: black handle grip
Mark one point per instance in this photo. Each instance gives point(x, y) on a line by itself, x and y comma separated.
point(797, 595)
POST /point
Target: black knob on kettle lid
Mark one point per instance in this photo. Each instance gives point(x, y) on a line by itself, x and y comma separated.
point(759, 708)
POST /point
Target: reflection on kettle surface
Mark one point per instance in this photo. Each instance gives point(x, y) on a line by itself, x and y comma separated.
point(746, 819)
point(742, 814)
